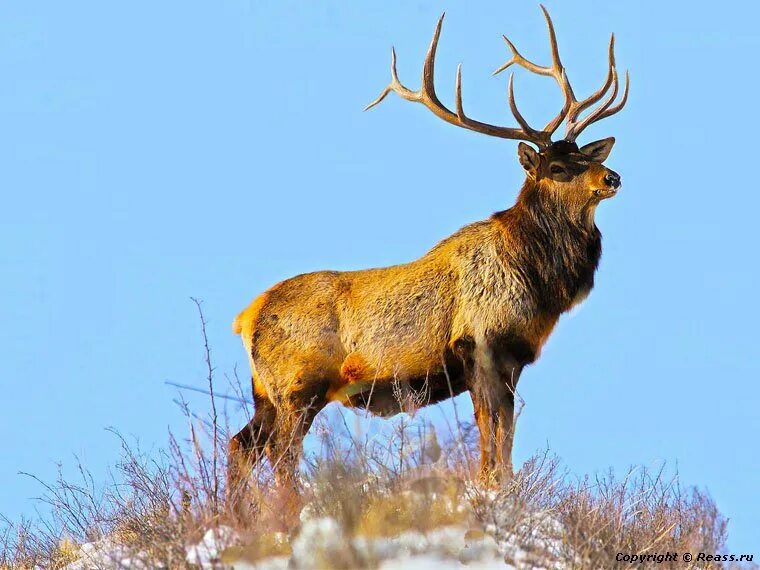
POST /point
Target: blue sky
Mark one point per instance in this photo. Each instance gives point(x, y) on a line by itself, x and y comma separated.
point(153, 151)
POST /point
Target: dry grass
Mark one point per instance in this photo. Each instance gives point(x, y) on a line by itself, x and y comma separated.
point(593, 519)
point(155, 505)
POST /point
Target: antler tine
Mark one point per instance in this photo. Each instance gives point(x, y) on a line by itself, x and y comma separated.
point(458, 94)
point(621, 104)
point(604, 110)
point(567, 107)
point(428, 67)
point(571, 108)
point(394, 85)
point(556, 62)
point(518, 59)
point(513, 106)
point(599, 93)
point(428, 97)
point(555, 70)
point(573, 127)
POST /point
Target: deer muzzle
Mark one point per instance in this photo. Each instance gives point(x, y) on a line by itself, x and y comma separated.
point(612, 180)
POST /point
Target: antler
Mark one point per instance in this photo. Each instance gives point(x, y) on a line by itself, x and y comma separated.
point(569, 114)
point(572, 108)
point(427, 96)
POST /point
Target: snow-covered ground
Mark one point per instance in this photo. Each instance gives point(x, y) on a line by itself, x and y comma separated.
point(107, 555)
point(321, 543)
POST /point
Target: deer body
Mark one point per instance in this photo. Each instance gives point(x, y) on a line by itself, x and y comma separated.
point(405, 323)
point(467, 316)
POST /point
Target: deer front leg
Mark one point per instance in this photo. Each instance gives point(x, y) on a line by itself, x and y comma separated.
point(493, 398)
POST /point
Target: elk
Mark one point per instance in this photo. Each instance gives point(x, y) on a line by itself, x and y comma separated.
point(467, 316)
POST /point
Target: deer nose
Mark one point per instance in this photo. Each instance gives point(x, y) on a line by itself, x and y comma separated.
point(612, 179)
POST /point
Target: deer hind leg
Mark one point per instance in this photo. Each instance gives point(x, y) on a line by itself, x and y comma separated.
point(296, 413)
point(247, 447)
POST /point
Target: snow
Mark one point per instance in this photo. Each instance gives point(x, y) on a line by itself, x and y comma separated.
point(208, 551)
point(429, 562)
point(320, 539)
point(104, 554)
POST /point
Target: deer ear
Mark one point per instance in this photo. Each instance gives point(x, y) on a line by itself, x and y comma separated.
point(528, 157)
point(598, 150)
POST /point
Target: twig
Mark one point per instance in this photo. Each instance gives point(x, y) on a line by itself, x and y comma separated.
point(239, 399)
point(214, 416)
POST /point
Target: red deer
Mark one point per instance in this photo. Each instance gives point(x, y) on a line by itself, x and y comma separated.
point(467, 316)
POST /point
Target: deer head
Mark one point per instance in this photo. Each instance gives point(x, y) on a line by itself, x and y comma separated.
point(561, 168)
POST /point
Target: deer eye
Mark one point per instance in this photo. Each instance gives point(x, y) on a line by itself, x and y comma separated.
point(556, 169)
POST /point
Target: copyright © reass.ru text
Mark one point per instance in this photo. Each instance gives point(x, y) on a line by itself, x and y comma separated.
point(659, 558)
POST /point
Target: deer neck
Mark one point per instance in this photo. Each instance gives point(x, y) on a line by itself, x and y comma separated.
point(556, 248)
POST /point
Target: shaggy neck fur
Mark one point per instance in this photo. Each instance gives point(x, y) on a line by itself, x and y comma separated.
point(558, 249)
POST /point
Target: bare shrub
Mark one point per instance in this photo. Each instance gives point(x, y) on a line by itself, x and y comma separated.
point(586, 522)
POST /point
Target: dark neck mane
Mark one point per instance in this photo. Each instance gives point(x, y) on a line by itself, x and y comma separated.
point(557, 250)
